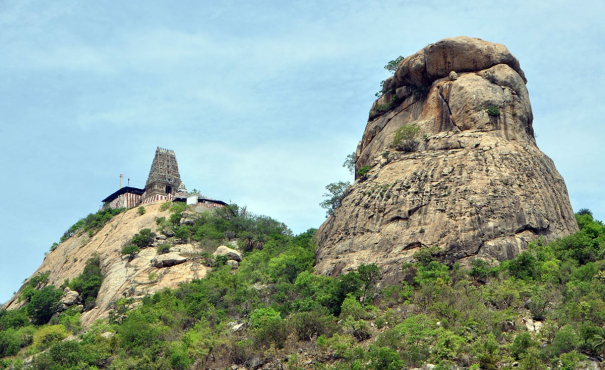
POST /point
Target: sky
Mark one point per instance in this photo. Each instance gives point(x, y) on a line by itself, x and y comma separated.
point(260, 100)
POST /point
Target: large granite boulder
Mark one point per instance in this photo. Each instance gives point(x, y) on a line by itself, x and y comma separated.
point(476, 184)
point(167, 260)
point(231, 254)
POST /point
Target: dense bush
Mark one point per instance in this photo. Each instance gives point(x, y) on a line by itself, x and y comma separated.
point(143, 238)
point(363, 171)
point(131, 250)
point(88, 283)
point(48, 335)
point(44, 304)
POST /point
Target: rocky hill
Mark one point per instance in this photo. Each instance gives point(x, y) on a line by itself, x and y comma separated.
point(448, 161)
point(453, 163)
point(123, 276)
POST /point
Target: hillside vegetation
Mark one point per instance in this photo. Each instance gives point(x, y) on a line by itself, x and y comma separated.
point(544, 309)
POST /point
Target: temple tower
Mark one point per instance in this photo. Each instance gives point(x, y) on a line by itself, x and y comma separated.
point(164, 179)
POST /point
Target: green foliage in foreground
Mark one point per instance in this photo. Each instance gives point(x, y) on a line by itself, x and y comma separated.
point(445, 315)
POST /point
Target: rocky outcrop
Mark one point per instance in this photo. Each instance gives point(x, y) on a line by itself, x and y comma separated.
point(167, 260)
point(230, 254)
point(474, 182)
point(146, 273)
point(70, 297)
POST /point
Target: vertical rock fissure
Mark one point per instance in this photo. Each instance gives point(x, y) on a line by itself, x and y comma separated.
point(449, 110)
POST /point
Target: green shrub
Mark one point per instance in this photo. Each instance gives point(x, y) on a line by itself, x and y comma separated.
point(524, 266)
point(184, 233)
point(532, 360)
point(14, 319)
point(340, 344)
point(357, 328)
point(480, 269)
point(163, 248)
point(219, 261)
point(317, 322)
point(520, 345)
point(405, 137)
point(569, 361)
point(369, 275)
point(268, 326)
point(32, 285)
point(165, 206)
point(143, 238)
point(137, 332)
point(493, 111)
point(48, 335)
point(43, 304)
point(566, 340)
point(92, 223)
point(179, 359)
point(363, 171)
point(131, 250)
point(426, 255)
point(352, 308)
point(141, 211)
point(9, 343)
point(63, 355)
point(70, 319)
point(384, 358)
point(289, 264)
point(88, 283)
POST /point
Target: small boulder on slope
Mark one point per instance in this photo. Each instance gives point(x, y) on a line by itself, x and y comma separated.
point(231, 254)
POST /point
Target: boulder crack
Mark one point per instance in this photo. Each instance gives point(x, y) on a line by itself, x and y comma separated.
point(449, 110)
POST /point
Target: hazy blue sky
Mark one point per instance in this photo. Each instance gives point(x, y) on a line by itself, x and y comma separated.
point(261, 100)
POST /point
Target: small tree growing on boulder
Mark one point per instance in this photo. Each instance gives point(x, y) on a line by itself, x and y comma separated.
point(336, 191)
point(131, 250)
point(406, 138)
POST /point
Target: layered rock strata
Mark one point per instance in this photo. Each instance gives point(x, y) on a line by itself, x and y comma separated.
point(474, 184)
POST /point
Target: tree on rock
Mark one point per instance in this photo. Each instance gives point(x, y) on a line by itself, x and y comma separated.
point(336, 191)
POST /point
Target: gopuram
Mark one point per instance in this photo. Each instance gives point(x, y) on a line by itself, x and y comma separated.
point(163, 183)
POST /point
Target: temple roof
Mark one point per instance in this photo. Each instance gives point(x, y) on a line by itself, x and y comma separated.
point(125, 189)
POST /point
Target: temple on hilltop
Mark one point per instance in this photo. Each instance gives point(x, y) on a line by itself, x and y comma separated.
point(164, 180)
point(164, 183)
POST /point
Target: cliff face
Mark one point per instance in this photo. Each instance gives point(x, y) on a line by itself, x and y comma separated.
point(147, 273)
point(475, 184)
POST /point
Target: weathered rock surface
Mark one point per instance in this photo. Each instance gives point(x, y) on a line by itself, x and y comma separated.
point(70, 297)
point(167, 260)
point(231, 254)
point(122, 277)
point(476, 186)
